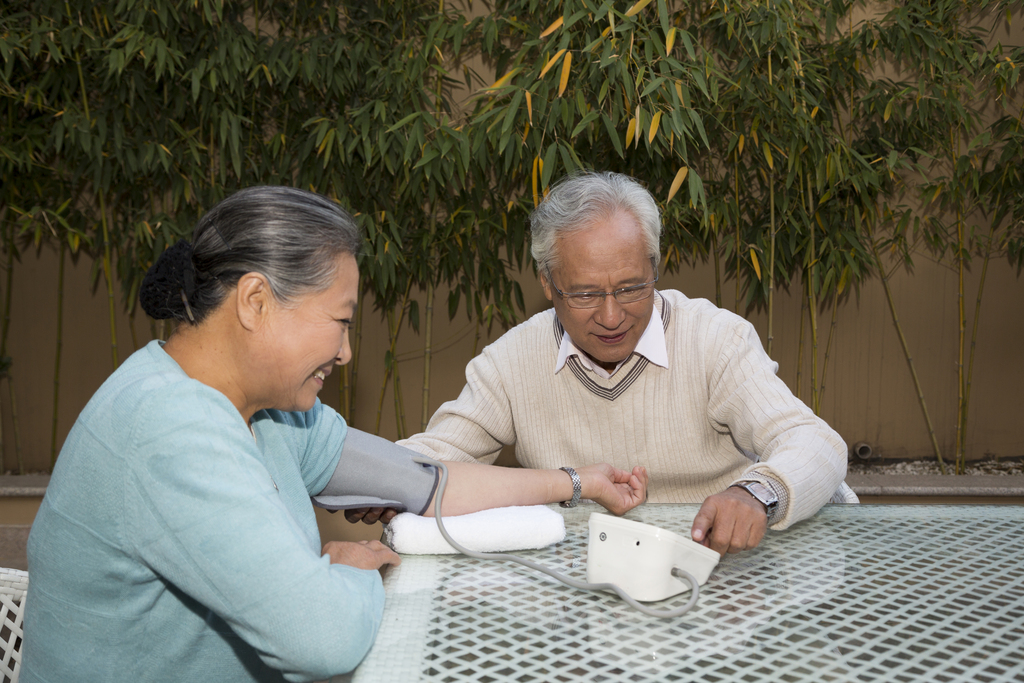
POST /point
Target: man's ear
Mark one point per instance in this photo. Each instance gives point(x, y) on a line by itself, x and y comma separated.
point(252, 300)
point(546, 284)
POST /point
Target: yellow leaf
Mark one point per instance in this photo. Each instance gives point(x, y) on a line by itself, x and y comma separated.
point(814, 112)
point(670, 39)
point(739, 145)
point(533, 177)
point(630, 130)
point(636, 137)
point(526, 131)
point(529, 106)
point(503, 80)
point(677, 183)
point(768, 155)
point(551, 62)
point(757, 267)
point(679, 91)
point(606, 31)
point(551, 29)
point(566, 68)
point(637, 7)
point(508, 207)
point(843, 280)
point(654, 126)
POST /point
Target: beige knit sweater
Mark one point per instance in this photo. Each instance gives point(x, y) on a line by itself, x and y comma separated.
point(716, 413)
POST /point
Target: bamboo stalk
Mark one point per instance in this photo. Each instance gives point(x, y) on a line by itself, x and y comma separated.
point(393, 343)
point(428, 342)
point(718, 268)
point(736, 197)
point(108, 275)
point(397, 382)
point(6, 321)
point(771, 253)
point(812, 304)
point(906, 348)
point(974, 340)
point(56, 362)
point(800, 347)
point(960, 455)
point(828, 344)
point(14, 420)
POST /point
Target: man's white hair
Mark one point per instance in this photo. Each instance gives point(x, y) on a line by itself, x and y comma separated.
point(580, 199)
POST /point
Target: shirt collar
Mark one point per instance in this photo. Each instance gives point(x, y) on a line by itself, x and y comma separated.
point(651, 346)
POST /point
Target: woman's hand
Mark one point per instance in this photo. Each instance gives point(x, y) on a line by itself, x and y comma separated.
point(617, 490)
point(362, 554)
point(370, 515)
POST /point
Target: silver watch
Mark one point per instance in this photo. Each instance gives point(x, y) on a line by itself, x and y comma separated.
point(762, 493)
point(577, 488)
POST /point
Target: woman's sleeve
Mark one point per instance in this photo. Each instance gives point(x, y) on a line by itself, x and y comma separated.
point(206, 515)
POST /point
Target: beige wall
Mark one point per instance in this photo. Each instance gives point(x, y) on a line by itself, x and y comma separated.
point(869, 395)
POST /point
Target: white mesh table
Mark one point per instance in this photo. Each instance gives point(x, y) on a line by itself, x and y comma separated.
point(858, 593)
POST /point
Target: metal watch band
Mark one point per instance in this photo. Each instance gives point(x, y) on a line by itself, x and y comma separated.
point(762, 493)
point(577, 488)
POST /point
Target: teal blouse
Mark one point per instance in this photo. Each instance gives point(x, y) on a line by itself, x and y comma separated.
point(172, 546)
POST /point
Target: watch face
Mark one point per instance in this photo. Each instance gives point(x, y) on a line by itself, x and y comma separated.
point(762, 493)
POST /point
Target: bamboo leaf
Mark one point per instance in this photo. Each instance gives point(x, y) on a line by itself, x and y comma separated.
point(635, 9)
point(529, 106)
point(630, 131)
point(503, 80)
point(739, 145)
point(677, 183)
point(533, 180)
point(655, 122)
point(753, 261)
point(670, 39)
point(551, 62)
point(554, 27)
point(768, 155)
point(566, 69)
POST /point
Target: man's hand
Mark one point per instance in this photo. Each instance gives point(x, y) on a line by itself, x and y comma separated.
point(730, 522)
point(370, 515)
point(362, 554)
point(617, 490)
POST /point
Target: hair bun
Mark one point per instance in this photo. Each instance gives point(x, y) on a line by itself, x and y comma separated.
point(166, 279)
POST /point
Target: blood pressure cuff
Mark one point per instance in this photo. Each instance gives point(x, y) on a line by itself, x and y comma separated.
point(374, 472)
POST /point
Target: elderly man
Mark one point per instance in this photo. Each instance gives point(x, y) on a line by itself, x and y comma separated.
point(623, 373)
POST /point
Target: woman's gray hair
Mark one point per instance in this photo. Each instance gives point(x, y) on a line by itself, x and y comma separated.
point(584, 197)
point(290, 236)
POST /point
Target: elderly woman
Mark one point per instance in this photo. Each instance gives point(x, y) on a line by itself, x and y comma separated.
point(177, 540)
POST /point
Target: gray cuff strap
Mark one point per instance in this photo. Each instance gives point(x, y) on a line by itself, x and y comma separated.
point(373, 472)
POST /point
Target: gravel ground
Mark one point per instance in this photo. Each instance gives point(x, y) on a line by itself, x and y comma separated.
point(987, 467)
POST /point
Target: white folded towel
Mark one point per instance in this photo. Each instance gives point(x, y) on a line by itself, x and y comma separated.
point(487, 531)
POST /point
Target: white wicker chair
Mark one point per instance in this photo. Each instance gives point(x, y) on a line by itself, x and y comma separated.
point(13, 587)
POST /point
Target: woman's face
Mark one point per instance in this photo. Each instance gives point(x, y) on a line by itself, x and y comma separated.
point(309, 338)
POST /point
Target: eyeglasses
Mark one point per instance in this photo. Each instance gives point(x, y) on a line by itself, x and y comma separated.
point(624, 295)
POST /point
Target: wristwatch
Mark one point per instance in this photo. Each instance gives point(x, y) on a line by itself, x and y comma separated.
point(577, 488)
point(762, 493)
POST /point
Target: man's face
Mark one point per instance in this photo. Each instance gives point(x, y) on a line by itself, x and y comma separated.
point(607, 255)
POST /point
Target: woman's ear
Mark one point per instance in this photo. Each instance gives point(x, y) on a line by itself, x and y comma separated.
point(252, 300)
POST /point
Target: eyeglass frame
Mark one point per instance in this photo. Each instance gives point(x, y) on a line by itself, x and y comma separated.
point(570, 296)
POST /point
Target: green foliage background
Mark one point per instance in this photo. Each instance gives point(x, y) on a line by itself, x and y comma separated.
point(807, 142)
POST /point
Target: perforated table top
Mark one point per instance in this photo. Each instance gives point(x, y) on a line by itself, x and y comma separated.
point(858, 593)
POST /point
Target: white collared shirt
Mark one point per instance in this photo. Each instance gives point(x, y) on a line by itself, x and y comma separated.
point(651, 346)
